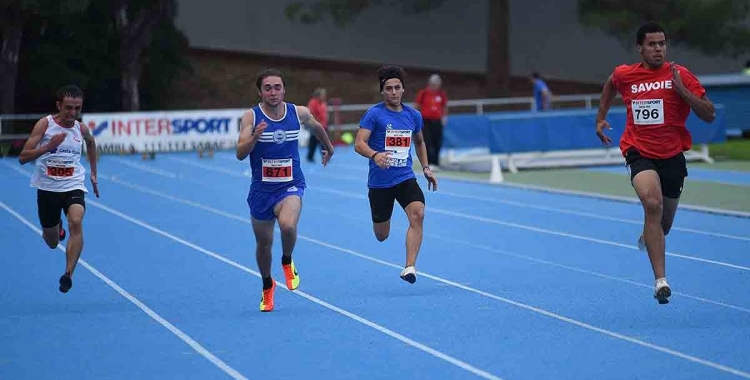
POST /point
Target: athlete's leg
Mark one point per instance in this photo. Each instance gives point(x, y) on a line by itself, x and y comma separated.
point(263, 221)
point(74, 207)
point(263, 231)
point(411, 198)
point(49, 209)
point(288, 212)
point(647, 185)
point(381, 210)
point(415, 213)
point(672, 172)
point(75, 243)
point(670, 209)
point(51, 235)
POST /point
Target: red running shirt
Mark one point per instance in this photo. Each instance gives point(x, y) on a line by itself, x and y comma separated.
point(656, 113)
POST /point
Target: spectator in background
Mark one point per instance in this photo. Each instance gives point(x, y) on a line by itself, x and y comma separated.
point(319, 109)
point(542, 94)
point(747, 68)
point(432, 103)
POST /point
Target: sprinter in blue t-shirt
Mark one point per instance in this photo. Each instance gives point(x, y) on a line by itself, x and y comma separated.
point(270, 135)
point(385, 136)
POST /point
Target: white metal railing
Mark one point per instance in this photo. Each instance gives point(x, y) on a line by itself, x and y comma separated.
point(479, 106)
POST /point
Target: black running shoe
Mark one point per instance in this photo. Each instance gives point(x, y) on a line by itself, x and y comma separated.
point(65, 283)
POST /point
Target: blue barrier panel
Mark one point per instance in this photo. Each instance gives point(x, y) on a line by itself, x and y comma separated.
point(466, 131)
point(516, 132)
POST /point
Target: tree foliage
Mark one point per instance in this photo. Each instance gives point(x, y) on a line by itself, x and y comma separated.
point(84, 47)
point(714, 27)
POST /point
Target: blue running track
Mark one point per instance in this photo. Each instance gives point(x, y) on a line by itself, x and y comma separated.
point(513, 284)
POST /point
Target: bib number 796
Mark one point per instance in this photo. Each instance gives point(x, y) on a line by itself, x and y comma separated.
point(647, 114)
point(648, 111)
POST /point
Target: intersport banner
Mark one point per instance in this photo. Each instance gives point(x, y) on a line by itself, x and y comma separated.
point(163, 131)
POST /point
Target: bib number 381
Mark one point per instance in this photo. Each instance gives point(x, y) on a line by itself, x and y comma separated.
point(398, 142)
point(277, 170)
point(648, 111)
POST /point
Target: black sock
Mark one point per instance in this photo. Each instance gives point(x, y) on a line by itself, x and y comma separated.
point(267, 283)
point(286, 260)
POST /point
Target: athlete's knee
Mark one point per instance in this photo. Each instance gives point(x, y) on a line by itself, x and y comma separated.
point(415, 213)
point(653, 205)
point(288, 226)
point(75, 224)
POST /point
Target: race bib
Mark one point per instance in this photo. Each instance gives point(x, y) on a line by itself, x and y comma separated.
point(58, 170)
point(277, 170)
point(398, 143)
point(648, 111)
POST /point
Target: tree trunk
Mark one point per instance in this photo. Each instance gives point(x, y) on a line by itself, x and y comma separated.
point(12, 33)
point(130, 74)
point(498, 49)
point(135, 37)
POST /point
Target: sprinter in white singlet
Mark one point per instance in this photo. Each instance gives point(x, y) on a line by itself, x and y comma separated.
point(55, 144)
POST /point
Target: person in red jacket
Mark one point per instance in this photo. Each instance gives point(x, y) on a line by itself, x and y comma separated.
point(319, 109)
point(658, 97)
point(432, 103)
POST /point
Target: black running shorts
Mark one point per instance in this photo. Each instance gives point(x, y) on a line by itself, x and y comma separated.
point(50, 203)
point(672, 171)
point(381, 199)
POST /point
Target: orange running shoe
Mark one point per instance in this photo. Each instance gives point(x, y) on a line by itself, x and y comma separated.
point(292, 278)
point(266, 299)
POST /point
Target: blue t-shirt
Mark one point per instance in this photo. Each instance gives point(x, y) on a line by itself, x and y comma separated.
point(393, 132)
point(275, 158)
point(539, 87)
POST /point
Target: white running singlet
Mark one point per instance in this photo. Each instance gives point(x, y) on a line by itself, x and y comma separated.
point(60, 170)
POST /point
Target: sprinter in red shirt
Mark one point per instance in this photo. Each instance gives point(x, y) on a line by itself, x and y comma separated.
point(658, 97)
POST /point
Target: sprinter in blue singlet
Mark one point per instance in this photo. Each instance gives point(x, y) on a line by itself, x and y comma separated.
point(386, 134)
point(270, 135)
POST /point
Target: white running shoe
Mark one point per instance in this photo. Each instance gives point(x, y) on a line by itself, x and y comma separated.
point(662, 291)
point(409, 274)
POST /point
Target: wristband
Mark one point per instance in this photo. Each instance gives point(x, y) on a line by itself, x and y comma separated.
point(373, 155)
point(426, 167)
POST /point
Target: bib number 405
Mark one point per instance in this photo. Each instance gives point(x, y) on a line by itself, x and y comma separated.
point(54, 171)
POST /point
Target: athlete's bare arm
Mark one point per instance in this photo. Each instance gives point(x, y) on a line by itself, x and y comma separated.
point(30, 152)
point(306, 118)
point(361, 147)
point(249, 135)
point(92, 154)
point(421, 149)
point(703, 107)
point(609, 92)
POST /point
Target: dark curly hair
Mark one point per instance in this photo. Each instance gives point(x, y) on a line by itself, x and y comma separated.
point(390, 72)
